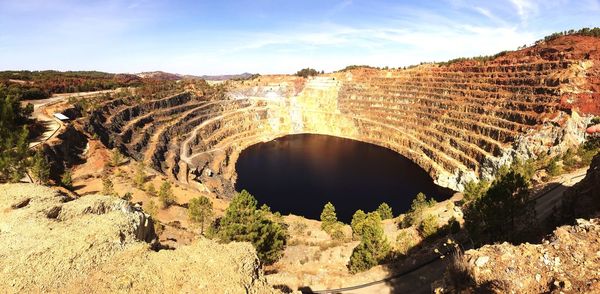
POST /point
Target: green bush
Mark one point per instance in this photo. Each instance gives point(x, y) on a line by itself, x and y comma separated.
point(243, 222)
point(107, 186)
point(127, 196)
point(385, 211)
point(140, 175)
point(150, 189)
point(337, 232)
point(474, 190)
point(373, 248)
point(554, 169)
point(116, 158)
point(428, 226)
point(66, 180)
point(404, 242)
point(414, 216)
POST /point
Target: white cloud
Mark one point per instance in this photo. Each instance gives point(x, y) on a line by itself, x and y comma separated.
point(525, 8)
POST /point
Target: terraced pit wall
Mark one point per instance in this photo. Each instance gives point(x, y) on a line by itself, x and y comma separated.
point(459, 122)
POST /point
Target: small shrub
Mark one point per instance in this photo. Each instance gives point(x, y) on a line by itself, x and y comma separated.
point(40, 168)
point(152, 209)
point(66, 180)
point(140, 175)
point(429, 226)
point(404, 242)
point(127, 196)
point(554, 169)
point(414, 216)
point(150, 189)
point(165, 195)
point(337, 232)
point(474, 190)
point(107, 186)
point(116, 158)
point(300, 228)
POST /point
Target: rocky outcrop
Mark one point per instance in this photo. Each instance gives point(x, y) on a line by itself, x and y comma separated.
point(51, 243)
point(459, 122)
point(567, 262)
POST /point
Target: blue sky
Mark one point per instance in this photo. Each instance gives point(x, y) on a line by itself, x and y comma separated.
point(268, 36)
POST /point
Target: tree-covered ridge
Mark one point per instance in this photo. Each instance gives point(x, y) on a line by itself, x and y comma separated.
point(589, 32)
point(42, 84)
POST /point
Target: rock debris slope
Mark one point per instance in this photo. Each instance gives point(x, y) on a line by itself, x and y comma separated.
point(98, 244)
point(459, 122)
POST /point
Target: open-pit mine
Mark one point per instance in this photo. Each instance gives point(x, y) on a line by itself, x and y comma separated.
point(459, 122)
point(143, 178)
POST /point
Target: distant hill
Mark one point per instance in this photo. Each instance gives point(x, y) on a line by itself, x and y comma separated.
point(165, 76)
point(242, 76)
point(159, 75)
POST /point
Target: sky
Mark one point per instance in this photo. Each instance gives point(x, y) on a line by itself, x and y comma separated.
point(267, 36)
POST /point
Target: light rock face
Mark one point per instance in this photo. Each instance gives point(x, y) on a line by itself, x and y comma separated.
point(98, 244)
point(459, 122)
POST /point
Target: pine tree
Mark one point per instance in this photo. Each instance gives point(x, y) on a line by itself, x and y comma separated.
point(373, 247)
point(13, 137)
point(385, 211)
point(358, 220)
point(328, 217)
point(496, 215)
point(40, 168)
point(165, 195)
point(244, 222)
point(200, 211)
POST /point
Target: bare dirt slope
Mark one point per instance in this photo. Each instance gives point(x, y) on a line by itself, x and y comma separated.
point(97, 243)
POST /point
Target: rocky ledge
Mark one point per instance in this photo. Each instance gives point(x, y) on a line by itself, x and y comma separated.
point(567, 262)
point(52, 243)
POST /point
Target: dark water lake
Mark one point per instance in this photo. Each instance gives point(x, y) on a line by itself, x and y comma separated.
point(298, 174)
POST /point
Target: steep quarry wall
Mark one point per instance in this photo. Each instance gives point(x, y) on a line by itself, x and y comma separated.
point(459, 122)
